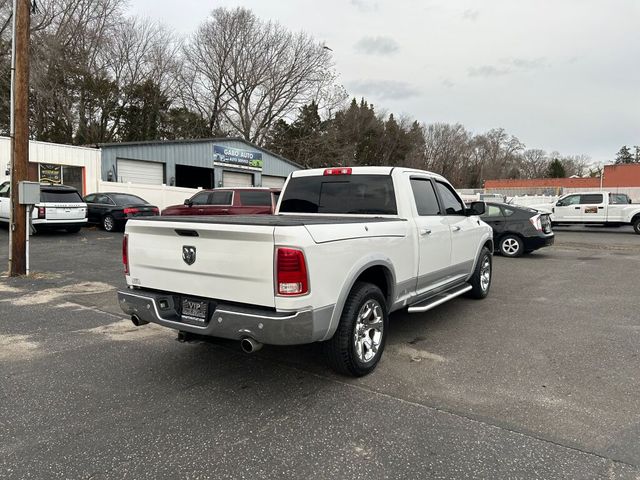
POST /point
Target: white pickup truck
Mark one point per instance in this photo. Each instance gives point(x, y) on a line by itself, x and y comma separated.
point(593, 208)
point(346, 247)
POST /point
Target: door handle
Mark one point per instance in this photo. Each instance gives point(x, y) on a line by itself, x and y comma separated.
point(455, 228)
point(425, 231)
point(600, 208)
point(577, 208)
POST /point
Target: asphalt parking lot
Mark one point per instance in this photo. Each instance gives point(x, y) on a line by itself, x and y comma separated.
point(540, 380)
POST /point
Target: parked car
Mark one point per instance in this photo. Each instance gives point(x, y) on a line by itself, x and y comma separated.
point(593, 208)
point(228, 201)
point(346, 247)
point(111, 210)
point(61, 208)
point(518, 230)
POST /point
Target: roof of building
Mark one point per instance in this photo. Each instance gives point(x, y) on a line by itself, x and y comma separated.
point(199, 140)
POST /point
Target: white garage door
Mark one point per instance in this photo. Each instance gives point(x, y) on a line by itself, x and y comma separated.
point(272, 182)
point(137, 171)
point(237, 179)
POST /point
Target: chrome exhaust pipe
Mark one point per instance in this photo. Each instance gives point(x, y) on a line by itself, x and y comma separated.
point(137, 321)
point(249, 345)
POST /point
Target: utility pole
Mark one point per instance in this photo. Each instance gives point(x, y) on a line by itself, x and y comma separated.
point(19, 134)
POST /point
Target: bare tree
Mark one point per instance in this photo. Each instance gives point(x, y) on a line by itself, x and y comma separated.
point(535, 163)
point(244, 74)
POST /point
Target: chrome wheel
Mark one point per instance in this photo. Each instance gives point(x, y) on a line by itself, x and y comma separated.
point(108, 223)
point(510, 246)
point(485, 274)
point(367, 334)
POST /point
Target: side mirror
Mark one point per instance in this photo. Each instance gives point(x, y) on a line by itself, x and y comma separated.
point(188, 202)
point(477, 208)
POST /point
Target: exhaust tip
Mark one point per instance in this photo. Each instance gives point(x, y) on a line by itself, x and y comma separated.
point(137, 321)
point(249, 345)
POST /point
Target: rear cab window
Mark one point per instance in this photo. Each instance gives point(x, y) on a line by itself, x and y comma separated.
point(126, 199)
point(60, 196)
point(340, 194)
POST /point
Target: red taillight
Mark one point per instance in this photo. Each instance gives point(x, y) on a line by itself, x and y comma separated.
point(125, 253)
point(338, 171)
point(536, 222)
point(42, 212)
point(291, 276)
point(131, 211)
point(155, 210)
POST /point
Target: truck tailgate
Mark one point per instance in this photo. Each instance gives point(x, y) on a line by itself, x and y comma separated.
point(232, 262)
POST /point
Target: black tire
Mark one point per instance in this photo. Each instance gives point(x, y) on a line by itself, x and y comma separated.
point(109, 223)
point(479, 288)
point(636, 226)
point(341, 351)
point(72, 229)
point(511, 246)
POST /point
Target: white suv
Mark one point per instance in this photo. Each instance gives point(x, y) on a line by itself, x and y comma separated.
point(61, 207)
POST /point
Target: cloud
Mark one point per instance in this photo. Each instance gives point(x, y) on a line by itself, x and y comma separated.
point(365, 5)
point(507, 66)
point(470, 14)
point(377, 45)
point(447, 82)
point(383, 89)
point(487, 71)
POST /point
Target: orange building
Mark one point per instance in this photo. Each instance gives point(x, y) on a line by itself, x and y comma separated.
point(615, 176)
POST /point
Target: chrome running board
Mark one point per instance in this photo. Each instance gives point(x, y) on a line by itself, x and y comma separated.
point(438, 299)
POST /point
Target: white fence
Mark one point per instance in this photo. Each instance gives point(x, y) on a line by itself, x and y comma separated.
point(160, 195)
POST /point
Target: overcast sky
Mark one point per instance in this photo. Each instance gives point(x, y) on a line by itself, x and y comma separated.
point(559, 74)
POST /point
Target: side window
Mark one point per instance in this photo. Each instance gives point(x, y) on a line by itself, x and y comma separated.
point(90, 198)
point(591, 198)
point(507, 211)
point(618, 199)
point(4, 189)
point(493, 211)
point(425, 197)
point(450, 201)
point(220, 198)
point(101, 199)
point(201, 198)
point(257, 198)
point(570, 200)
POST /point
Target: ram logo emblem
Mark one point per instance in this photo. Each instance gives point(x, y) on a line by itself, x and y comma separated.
point(188, 254)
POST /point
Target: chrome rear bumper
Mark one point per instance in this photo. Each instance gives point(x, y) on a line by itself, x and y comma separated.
point(231, 321)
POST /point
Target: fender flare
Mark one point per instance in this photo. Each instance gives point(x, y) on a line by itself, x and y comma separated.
point(372, 260)
point(486, 237)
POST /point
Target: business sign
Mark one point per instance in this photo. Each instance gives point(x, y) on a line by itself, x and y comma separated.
point(51, 174)
point(235, 156)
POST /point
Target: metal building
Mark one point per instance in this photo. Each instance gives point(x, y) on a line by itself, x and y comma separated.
point(199, 163)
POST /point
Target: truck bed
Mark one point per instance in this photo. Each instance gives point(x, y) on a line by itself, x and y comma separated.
point(272, 220)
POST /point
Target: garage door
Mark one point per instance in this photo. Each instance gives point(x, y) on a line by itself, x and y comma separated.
point(272, 182)
point(237, 179)
point(137, 171)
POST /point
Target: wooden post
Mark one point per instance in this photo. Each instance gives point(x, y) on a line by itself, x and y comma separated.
point(20, 138)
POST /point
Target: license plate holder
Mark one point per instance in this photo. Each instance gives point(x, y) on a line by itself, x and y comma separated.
point(194, 311)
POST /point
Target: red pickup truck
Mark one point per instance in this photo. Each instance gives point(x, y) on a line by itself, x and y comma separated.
point(228, 201)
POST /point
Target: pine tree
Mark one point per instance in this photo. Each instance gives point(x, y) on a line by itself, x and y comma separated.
point(556, 169)
point(624, 155)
